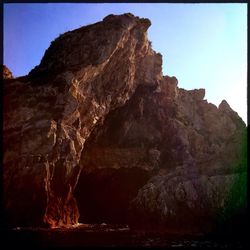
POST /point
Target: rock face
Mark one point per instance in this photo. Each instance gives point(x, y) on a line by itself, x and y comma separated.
point(96, 130)
point(6, 73)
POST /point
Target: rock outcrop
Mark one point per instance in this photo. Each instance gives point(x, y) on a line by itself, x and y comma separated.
point(6, 73)
point(194, 152)
point(98, 108)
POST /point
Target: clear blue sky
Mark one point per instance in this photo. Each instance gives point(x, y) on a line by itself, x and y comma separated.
point(203, 45)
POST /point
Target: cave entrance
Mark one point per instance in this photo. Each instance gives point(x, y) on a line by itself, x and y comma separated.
point(103, 195)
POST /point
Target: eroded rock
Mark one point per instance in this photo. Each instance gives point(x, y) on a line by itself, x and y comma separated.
point(6, 73)
point(84, 75)
point(98, 102)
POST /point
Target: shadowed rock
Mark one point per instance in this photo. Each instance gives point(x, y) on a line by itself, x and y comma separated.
point(98, 108)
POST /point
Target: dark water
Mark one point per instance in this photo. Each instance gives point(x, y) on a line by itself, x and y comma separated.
point(103, 235)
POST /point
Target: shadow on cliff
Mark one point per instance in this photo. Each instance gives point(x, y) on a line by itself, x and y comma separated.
point(104, 195)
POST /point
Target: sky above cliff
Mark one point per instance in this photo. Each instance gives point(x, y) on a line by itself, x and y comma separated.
point(203, 45)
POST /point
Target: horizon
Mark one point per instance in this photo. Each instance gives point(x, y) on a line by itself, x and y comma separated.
point(200, 54)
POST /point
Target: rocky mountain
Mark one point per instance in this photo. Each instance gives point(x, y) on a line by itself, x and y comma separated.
point(96, 132)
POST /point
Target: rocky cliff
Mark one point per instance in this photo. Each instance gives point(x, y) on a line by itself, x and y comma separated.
point(96, 130)
point(6, 73)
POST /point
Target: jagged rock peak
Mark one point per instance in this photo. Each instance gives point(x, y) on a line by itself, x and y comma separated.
point(198, 94)
point(144, 22)
point(224, 106)
point(7, 74)
point(94, 44)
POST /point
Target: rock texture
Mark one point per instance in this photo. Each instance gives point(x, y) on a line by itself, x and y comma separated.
point(6, 73)
point(98, 108)
point(194, 152)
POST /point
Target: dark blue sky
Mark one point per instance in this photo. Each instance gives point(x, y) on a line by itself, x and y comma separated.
point(203, 45)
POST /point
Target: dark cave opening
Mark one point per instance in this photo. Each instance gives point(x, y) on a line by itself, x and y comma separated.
point(103, 195)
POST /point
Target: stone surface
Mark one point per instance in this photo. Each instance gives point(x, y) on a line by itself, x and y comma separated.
point(193, 151)
point(84, 75)
point(6, 73)
point(98, 108)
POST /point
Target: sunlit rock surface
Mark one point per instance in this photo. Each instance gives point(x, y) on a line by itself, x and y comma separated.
point(6, 73)
point(97, 131)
